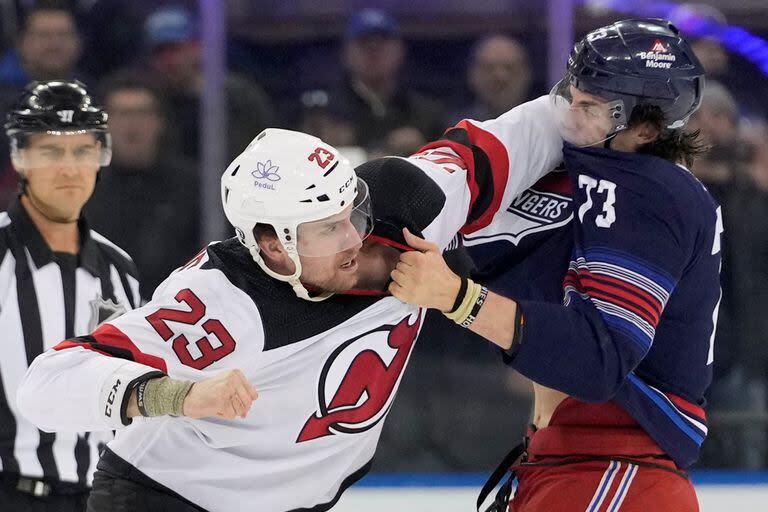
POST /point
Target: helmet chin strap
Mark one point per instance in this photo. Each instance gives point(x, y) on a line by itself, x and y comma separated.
point(607, 142)
point(293, 279)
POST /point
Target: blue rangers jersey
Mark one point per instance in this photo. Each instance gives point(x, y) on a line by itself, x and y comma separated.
point(640, 295)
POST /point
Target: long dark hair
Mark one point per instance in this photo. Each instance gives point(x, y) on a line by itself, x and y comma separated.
point(677, 146)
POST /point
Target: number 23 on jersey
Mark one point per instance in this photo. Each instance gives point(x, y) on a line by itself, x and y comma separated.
point(160, 320)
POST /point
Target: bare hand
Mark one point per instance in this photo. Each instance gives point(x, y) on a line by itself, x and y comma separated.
point(227, 395)
point(423, 278)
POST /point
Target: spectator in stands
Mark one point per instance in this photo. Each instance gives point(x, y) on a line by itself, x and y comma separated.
point(753, 293)
point(147, 199)
point(499, 77)
point(713, 57)
point(718, 121)
point(325, 119)
point(388, 117)
point(322, 116)
point(174, 47)
point(48, 47)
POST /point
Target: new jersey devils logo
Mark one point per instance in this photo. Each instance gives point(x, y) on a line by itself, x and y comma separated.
point(359, 380)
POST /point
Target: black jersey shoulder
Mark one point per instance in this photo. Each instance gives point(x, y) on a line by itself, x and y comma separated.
point(401, 196)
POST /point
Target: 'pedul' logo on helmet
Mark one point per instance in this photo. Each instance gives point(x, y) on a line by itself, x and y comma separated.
point(266, 171)
point(358, 381)
point(266, 174)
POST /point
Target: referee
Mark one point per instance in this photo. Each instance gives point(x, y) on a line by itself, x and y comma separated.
point(58, 279)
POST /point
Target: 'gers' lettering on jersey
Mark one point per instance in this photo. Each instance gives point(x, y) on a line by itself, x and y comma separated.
point(539, 206)
point(545, 206)
point(46, 297)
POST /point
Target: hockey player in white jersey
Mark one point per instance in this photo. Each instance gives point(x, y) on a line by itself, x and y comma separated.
point(232, 390)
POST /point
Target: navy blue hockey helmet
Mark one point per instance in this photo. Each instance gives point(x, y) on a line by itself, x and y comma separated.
point(638, 61)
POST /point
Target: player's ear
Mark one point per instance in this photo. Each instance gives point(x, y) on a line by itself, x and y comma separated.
point(274, 254)
point(271, 248)
point(646, 133)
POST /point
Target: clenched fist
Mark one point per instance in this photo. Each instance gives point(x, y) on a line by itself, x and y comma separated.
point(227, 395)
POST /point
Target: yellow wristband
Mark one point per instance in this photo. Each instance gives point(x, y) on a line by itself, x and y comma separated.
point(466, 312)
point(461, 314)
point(453, 315)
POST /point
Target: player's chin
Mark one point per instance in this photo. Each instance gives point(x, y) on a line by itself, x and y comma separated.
point(343, 281)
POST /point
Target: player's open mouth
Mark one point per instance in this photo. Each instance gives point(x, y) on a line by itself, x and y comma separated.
point(349, 265)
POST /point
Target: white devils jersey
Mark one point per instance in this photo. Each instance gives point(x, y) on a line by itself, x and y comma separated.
point(326, 372)
point(324, 384)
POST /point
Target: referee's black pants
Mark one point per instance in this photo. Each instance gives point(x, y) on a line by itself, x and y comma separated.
point(60, 498)
point(119, 487)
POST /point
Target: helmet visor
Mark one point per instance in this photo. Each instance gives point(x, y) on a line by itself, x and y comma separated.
point(584, 119)
point(82, 149)
point(340, 232)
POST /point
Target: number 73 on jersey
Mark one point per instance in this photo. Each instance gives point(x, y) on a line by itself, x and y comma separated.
point(608, 188)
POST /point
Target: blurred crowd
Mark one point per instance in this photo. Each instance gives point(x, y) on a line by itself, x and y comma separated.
point(148, 76)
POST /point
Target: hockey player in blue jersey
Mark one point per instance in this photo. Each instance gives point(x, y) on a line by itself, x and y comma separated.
point(621, 358)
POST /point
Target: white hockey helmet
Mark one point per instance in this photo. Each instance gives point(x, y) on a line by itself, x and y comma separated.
point(291, 180)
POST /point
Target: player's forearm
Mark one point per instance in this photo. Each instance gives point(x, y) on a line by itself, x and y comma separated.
point(573, 350)
point(424, 279)
point(496, 320)
point(558, 347)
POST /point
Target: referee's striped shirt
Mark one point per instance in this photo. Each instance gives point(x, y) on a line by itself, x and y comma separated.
point(46, 297)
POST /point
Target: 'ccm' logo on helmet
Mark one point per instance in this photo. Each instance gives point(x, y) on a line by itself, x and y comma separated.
point(359, 380)
point(346, 185)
